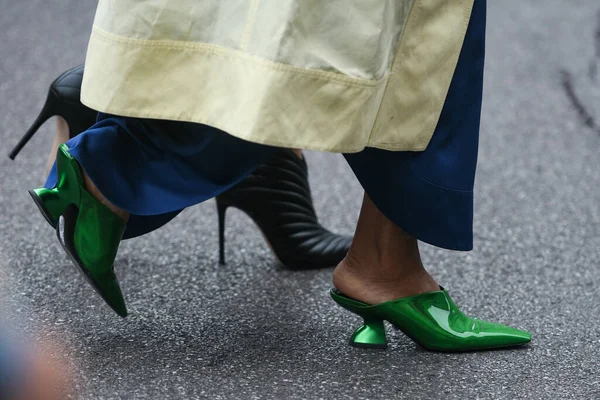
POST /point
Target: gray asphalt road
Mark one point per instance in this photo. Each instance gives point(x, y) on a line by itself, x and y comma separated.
point(252, 330)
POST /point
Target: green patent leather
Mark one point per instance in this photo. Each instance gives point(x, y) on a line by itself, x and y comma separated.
point(89, 232)
point(430, 319)
point(370, 334)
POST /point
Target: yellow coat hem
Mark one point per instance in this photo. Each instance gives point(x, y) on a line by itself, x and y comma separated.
point(283, 105)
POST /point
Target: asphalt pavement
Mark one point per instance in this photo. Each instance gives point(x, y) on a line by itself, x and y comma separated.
point(254, 330)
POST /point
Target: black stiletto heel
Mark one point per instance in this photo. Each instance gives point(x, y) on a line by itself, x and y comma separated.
point(277, 197)
point(46, 113)
point(63, 101)
point(221, 209)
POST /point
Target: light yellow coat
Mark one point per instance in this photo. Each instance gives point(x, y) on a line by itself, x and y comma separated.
point(331, 75)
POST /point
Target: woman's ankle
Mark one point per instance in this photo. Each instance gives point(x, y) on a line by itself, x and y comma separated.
point(372, 284)
point(95, 192)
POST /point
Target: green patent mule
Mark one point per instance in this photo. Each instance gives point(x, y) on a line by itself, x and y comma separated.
point(430, 319)
point(88, 231)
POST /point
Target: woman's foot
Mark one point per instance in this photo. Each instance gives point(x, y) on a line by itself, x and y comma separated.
point(383, 279)
point(383, 262)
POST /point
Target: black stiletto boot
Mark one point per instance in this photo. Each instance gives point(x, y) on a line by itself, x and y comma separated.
point(63, 101)
point(277, 197)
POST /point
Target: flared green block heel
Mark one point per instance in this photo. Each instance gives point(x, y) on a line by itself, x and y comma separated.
point(432, 320)
point(371, 334)
point(88, 231)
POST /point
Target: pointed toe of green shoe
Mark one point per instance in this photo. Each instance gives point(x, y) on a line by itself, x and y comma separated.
point(517, 337)
point(81, 238)
point(491, 335)
point(106, 285)
point(110, 291)
point(430, 319)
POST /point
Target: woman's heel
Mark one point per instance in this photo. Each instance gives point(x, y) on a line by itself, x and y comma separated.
point(370, 335)
point(48, 111)
point(221, 209)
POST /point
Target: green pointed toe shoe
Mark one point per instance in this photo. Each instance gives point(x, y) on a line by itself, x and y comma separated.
point(430, 319)
point(89, 232)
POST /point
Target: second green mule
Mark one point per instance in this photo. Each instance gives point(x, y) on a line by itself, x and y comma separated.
point(88, 231)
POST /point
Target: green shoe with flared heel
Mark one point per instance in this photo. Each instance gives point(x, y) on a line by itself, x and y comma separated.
point(432, 320)
point(89, 232)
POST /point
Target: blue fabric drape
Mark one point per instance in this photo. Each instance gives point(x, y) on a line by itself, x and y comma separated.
point(154, 169)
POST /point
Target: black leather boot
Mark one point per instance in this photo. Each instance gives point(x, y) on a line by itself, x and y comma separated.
point(277, 197)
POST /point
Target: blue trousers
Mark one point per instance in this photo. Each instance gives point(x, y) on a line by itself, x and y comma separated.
point(154, 169)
